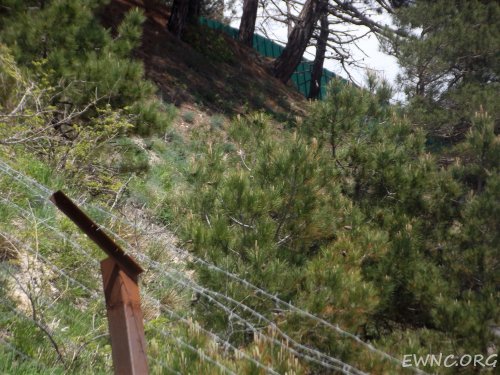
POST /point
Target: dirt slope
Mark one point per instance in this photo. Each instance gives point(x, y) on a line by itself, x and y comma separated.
point(210, 70)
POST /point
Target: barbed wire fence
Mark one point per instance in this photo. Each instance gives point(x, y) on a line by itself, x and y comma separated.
point(178, 278)
point(254, 321)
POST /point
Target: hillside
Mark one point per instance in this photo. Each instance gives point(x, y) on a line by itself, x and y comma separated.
point(209, 70)
point(277, 235)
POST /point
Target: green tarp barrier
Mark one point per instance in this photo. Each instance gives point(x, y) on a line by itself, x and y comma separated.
point(302, 76)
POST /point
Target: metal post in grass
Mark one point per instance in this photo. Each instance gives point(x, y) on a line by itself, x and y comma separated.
point(120, 275)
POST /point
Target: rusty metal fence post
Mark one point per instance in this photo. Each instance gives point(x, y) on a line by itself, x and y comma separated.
point(123, 306)
point(120, 275)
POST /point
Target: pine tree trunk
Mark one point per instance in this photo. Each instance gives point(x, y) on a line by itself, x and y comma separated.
point(317, 72)
point(183, 11)
point(285, 65)
point(178, 17)
point(247, 25)
point(194, 11)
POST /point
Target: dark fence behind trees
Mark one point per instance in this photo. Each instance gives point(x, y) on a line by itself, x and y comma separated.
point(302, 76)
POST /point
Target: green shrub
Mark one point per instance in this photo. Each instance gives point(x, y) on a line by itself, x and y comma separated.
point(153, 117)
point(188, 116)
point(217, 122)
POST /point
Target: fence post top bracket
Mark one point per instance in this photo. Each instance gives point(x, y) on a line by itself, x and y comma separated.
point(96, 234)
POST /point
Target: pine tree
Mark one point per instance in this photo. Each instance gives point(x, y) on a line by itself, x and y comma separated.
point(449, 61)
point(79, 54)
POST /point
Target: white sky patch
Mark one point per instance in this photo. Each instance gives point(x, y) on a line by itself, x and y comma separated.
point(367, 53)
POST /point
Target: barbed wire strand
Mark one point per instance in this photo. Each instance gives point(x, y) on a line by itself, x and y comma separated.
point(224, 343)
point(178, 277)
point(261, 291)
point(323, 359)
point(291, 350)
point(52, 266)
point(22, 178)
point(94, 294)
point(178, 341)
point(193, 258)
point(253, 312)
point(97, 295)
point(36, 323)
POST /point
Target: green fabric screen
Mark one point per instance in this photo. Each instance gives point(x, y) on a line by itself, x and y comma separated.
point(302, 76)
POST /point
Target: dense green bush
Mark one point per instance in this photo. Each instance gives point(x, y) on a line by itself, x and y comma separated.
point(80, 60)
point(351, 217)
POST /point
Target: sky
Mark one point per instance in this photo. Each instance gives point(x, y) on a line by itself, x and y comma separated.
point(368, 54)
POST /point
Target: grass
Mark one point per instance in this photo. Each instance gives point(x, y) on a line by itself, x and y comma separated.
point(130, 157)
